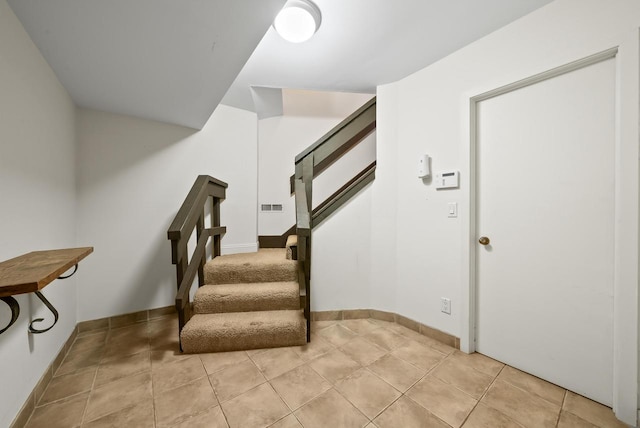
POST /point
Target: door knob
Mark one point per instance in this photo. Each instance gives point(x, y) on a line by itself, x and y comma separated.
point(484, 240)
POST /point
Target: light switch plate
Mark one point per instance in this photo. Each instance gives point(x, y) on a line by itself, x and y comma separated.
point(452, 211)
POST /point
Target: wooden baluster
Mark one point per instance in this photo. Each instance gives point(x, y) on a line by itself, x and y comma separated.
point(199, 231)
point(215, 222)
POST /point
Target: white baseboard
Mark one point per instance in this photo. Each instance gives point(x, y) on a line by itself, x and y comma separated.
point(239, 248)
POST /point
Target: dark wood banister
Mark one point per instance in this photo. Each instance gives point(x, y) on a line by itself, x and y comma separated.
point(326, 207)
point(191, 215)
point(333, 202)
point(309, 164)
point(339, 140)
point(338, 128)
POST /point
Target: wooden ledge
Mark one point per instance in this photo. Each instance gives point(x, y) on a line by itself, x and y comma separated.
point(33, 271)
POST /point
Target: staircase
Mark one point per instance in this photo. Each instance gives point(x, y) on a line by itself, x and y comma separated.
point(250, 301)
point(258, 300)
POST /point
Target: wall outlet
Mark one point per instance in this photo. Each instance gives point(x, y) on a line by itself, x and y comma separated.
point(445, 305)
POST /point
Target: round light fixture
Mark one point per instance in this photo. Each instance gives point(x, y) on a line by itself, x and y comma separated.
point(298, 21)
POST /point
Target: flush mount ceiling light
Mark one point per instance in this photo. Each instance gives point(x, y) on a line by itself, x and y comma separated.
point(298, 21)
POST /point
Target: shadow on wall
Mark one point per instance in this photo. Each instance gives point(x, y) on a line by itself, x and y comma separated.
point(110, 144)
point(155, 277)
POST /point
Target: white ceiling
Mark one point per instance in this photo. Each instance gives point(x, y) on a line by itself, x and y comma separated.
point(365, 43)
point(173, 61)
point(167, 60)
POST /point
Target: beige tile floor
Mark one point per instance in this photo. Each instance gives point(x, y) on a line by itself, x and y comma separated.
point(354, 373)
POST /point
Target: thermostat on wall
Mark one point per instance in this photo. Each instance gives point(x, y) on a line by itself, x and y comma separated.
point(448, 180)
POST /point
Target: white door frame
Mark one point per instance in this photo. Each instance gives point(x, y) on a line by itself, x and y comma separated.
point(627, 200)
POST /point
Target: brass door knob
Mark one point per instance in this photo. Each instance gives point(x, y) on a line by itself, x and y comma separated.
point(484, 240)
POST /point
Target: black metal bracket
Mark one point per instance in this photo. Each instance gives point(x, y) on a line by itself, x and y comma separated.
point(15, 311)
point(48, 304)
point(75, 269)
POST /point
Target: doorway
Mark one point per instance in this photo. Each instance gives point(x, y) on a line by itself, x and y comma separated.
point(545, 202)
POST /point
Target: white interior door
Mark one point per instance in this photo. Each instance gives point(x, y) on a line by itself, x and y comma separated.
point(545, 199)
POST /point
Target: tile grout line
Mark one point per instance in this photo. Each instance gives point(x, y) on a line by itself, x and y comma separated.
point(484, 394)
point(86, 405)
point(206, 374)
point(224, 415)
point(283, 402)
point(564, 397)
point(532, 393)
point(354, 406)
point(153, 390)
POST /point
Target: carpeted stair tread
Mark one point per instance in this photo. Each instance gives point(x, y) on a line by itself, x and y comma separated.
point(257, 296)
point(292, 241)
point(236, 331)
point(266, 265)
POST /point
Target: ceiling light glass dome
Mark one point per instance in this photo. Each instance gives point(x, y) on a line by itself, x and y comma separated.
point(298, 21)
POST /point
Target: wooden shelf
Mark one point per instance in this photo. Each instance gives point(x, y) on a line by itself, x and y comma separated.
point(32, 272)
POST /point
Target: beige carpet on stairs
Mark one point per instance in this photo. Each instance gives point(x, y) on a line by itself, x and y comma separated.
point(257, 296)
point(266, 265)
point(243, 330)
point(251, 301)
point(292, 241)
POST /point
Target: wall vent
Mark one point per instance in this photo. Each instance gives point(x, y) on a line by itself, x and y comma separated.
point(271, 208)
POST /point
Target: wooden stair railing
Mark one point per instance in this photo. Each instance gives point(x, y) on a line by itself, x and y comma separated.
point(339, 140)
point(303, 252)
point(190, 216)
point(343, 194)
point(311, 163)
point(326, 207)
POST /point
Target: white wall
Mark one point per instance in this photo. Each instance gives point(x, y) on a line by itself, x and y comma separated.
point(431, 114)
point(37, 190)
point(308, 115)
point(341, 261)
point(384, 201)
point(133, 175)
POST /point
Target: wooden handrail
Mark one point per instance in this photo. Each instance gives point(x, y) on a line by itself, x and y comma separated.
point(186, 217)
point(343, 194)
point(191, 216)
point(339, 140)
point(337, 129)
